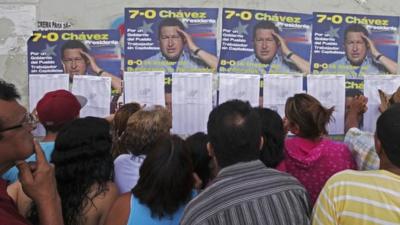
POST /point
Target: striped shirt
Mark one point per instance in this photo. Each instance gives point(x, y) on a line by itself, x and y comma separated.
point(250, 193)
point(359, 197)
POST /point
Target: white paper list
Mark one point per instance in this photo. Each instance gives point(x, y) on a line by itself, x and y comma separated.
point(244, 87)
point(144, 87)
point(97, 91)
point(388, 84)
point(191, 102)
point(277, 88)
point(330, 91)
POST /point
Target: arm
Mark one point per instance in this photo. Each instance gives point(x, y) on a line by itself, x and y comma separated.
point(356, 107)
point(115, 81)
point(209, 59)
point(39, 183)
point(119, 213)
point(390, 65)
point(301, 64)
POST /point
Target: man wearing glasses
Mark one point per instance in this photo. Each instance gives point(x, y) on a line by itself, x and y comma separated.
point(76, 60)
point(16, 144)
point(172, 57)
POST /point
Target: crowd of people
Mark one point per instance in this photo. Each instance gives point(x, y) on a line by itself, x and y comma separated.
point(129, 169)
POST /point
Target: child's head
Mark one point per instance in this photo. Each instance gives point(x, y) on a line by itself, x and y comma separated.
point(306, 117)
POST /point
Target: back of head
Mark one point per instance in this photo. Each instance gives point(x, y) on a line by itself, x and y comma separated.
point(82, 158)
point(72, 44)
point(166, 180)
point(56, 108)
point(274, 137)
point(119, 125)
point(144, 127)
point(197, 146)
point(309, 115)
point(234, 132)
point(387, 131)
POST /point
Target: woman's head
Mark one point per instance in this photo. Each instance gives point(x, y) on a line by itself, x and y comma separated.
point(82, 158)
point(119, 125)
point(144, 127)
point(306, 116)
point(274, 136)
point(166, 180)
point(197, 146)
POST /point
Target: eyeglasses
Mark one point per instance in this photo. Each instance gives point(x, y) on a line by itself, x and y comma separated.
point(28, 121)
point(75, 60)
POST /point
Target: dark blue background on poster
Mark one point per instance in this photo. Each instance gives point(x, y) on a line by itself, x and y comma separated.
point(44, 50)
point(203, 33)
point(335, 24)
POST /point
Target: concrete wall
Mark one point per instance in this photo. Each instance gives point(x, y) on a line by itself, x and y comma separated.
point(98, 14)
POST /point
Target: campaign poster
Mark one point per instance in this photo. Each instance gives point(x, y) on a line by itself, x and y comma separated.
point(354, 45)
point(171, 39)
point(45, 54)
point(265, 42)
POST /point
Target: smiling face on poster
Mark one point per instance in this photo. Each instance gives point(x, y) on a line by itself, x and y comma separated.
point(265, 42)
point(354, 45)
point(170, 40)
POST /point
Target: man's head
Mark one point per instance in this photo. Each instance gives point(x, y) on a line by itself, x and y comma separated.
point(265, 44)
point(74, 62)
point(387, 135)
point(354, 44)
point(171, 42)
point(56, 108)
point(16, 124)
point(234, 132)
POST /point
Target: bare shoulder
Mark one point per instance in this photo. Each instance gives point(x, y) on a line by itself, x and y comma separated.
point(97, 212)
point(120, 210)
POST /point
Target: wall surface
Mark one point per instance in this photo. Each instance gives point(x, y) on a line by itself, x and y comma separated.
point(19, 17)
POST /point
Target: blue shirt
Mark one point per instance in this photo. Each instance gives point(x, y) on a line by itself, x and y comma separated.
point(251, 65)
point(343, 66)
point(12, 174)
point(186, 63)
point(140, 214)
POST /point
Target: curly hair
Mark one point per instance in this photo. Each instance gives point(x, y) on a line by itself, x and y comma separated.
point(166, 180)
point(82, 160)
point(119, 125)
point(144, 127)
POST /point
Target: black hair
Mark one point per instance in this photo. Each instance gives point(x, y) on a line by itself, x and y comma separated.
point(268, 25)
point(197, 146)
point(165, 177)
point(82, 159)
point(71, 44)
point(234, 131)
point(274, 137)
point(8, 92)
point(355, 28)
point(170, 22)
point(388, 130)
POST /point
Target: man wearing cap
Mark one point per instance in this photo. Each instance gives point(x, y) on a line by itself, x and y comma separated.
point(55, 109)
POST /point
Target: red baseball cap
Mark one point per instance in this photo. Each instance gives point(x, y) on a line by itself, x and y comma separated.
point(58, 107)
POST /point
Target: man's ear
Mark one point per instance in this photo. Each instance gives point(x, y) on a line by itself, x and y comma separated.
point(378, 145)
point(261, 142)
point(210, 150)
